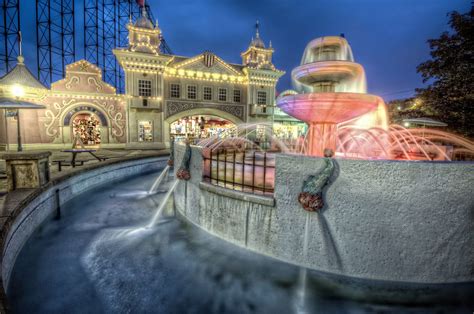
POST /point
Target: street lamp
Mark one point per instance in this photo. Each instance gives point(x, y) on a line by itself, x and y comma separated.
point(18, 91)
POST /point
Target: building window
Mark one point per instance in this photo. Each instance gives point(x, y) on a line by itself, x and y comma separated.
point(144, 88)
point(175, 90)
point(261, 98)
point(222, 94)
point(237, 97)
point(192, 92)
point(145, 102)
point(207, 93)
point(145, 131)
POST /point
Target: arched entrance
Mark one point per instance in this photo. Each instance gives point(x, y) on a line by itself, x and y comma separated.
point(87, 127)
point(86, 122)
point(202, 126)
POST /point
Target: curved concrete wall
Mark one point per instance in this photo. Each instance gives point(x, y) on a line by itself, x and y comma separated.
point(386, 220)
point(44, 204)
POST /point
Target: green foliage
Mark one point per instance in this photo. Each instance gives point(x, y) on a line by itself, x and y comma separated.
point(450, 72)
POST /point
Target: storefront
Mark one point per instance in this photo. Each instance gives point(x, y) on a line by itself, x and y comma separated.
point(202, 126)
point(87, 128)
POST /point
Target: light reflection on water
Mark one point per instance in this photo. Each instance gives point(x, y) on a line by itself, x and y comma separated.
point(100, 258)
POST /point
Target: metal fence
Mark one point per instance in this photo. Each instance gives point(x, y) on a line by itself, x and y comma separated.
point(247, 171)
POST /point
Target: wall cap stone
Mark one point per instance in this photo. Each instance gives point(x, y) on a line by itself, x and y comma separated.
point(238, 195)
point(25, 155)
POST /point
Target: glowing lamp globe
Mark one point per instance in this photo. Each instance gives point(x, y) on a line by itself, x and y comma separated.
point(18, 90)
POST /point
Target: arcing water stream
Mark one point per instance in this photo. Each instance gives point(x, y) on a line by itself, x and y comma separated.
point(300, 304)
point(163, 204)
point(159, 179)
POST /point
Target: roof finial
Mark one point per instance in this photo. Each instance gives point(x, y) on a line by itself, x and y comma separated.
point(20, 41)
point(270, 44)
point(257, 26)
point(144, 12)
point(20, 57)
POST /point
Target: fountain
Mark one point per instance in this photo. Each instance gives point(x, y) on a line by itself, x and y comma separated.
point(332, 100)
point(332, 92)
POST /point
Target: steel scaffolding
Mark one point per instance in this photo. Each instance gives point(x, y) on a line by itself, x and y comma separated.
point(105, 28)
point(109, 41)
point(91, 31)
point(9, 30)
point(55, 38)
point(127, 10)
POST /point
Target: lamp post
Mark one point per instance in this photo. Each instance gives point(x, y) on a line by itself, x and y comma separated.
point(18, 91)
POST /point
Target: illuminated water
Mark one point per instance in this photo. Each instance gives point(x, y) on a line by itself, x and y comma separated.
point(96, 260)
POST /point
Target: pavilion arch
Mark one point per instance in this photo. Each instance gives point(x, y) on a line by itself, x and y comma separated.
point(203, 111)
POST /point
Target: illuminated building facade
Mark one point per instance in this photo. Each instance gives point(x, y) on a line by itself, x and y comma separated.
point(165, 95)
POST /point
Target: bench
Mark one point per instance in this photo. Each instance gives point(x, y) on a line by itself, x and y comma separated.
point(103, 158)
point(63, 162)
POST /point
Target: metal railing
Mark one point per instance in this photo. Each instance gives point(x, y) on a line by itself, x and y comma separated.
point(247, 171)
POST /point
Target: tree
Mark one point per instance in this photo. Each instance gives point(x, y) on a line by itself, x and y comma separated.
point(450, 95)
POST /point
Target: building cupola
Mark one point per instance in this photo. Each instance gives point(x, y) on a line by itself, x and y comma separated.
point(257, 55)
point(143, 35)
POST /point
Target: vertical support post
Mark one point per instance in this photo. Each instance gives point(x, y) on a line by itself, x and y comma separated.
point(210, 165)
point(18, 129)
point(225, 168)
point(253, 172)
point(58, 204)
point(243, 170)
point(264, 170)
point(233, 171)
point(217, 171)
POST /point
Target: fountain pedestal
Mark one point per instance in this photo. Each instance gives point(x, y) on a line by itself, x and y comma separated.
point(324, 111)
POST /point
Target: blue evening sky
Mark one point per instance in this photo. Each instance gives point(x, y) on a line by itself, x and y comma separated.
point(388, 37)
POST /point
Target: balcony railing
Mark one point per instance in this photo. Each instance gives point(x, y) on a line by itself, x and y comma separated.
point(246, 171)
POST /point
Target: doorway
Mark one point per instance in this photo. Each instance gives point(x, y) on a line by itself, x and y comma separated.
point(87, 127)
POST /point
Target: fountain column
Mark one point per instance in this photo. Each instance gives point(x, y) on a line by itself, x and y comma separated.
point(322, 136)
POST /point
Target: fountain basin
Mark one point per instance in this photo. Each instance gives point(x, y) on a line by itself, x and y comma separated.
point(398, 221)
point(109, 264)
point(332, 71)
point(328, 107)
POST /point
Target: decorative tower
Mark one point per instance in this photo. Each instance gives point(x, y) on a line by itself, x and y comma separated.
point(143, 36)
point(144, 66)
point(257, 55)
point(262, 77)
